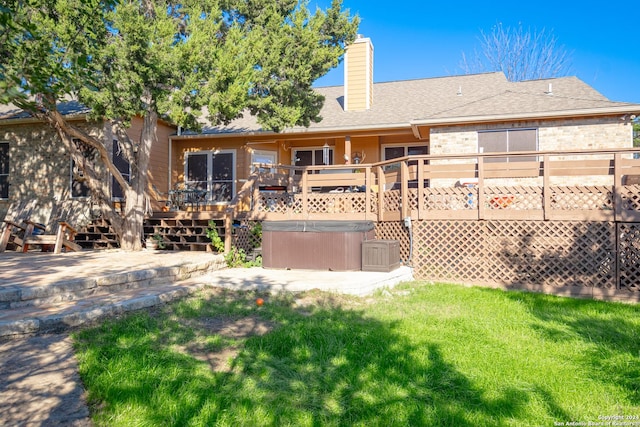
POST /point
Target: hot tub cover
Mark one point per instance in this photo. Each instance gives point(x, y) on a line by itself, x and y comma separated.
point(318, 226)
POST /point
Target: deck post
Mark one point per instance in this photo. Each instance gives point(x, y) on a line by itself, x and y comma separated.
point(381, 183)
point(305, 193)
point(404, 188)
point(480, 188)
point(617, 186)
point(368, 182)
point(546, 187)
point(228, 231)
point(421, 180)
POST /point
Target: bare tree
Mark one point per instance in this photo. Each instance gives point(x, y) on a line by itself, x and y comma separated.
point(521, 54)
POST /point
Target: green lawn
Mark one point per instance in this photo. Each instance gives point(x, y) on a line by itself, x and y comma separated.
point(417, 355)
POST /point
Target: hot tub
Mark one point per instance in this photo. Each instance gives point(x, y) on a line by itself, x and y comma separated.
point(315, 245)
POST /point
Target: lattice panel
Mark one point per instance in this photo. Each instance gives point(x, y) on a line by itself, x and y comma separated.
point(555, 253)
point(581, 197)
point(515, 198)
point(337, 203)
point(413, 199)
point(447, 198)
point(448, 251)
point(392, 200)
point(394, 230)
point(629, 255)
point(274, 202)
point(630, 197)
point(247, 235)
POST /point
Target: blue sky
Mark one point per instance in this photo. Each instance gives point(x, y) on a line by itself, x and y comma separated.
point(419, 39)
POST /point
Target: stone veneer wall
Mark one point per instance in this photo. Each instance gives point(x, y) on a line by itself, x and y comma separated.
point(39, 168)
point(579, 133)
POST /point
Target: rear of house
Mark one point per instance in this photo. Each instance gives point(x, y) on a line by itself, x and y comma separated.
point(363, 122)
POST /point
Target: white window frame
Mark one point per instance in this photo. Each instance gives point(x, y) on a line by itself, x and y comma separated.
point(294, 151)
point(7, 175)
point(210, 154)
point(271, 154)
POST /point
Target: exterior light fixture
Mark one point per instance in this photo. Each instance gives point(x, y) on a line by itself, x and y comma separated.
point(325, 153)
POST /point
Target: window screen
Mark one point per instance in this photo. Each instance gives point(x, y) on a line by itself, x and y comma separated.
point(79, 187)
point(511, 140)
point(122, 164)
point(222, 177)
point(4, 170)
point(197, 170)
point(522, 140)
point(311, 157)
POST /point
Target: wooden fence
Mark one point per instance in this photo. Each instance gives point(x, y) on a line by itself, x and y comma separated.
point(561, 222)
point(594, 185)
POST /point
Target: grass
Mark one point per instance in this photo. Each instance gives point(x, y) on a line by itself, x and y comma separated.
point(418, 355)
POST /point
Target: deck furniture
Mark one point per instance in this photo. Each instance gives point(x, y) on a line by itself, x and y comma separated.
point(14, 227)
point(61, 238)
point(183, 195)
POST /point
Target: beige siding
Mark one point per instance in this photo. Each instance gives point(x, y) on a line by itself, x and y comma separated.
point(359, 75)
point(180, 147)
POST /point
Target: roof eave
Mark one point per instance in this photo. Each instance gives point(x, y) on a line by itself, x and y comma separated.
point(288, 133)
point(608, 111)
point(33, 120)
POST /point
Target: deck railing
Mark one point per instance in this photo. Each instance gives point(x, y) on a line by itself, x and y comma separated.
point(582, 184)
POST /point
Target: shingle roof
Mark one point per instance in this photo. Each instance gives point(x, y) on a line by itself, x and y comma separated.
point(399, 103)
point(10, 111)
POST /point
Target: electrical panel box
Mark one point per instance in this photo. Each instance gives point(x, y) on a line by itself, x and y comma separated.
point(380, 255)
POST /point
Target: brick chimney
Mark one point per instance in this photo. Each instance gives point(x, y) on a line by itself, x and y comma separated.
point(358, 75)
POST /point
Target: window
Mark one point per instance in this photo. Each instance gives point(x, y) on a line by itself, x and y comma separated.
point(395, 151)
point(508, 140)
point(79, 187)
point(264, 157)
point(311, 157)
point(4, 170)
point(122, 164)
point(213, 171)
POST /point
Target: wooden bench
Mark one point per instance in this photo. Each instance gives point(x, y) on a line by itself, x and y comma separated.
point(14, 226)
point(12, 232)
point(63, 237)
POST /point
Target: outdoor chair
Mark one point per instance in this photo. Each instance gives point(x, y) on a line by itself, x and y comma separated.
point(14, 228)
point(183, 195)
point(61, 238)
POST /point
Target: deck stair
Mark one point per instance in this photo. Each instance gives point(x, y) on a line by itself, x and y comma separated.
point(98, 234)
point(38, 305)
point(186, 232)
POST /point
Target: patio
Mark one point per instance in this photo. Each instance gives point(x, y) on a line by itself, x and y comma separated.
point(41, 292)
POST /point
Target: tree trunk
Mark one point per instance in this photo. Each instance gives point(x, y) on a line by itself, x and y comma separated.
point(128, 225)
point(136, 199)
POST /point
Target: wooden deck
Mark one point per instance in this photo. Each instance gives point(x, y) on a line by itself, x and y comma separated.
point(584, 185)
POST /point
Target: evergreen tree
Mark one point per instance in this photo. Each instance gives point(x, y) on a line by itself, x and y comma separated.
point(154, 58)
